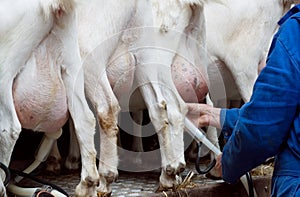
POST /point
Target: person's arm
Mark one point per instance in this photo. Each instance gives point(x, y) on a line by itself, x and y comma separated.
point(264, 122)
point(204, 115)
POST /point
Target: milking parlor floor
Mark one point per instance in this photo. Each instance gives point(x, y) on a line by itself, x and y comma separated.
point(131, 184)
point(145, 183)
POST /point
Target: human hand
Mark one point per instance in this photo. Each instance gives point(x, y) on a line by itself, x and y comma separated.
point(218, 166)
point(204, 115)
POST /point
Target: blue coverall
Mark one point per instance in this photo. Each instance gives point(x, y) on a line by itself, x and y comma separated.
point(269, 124)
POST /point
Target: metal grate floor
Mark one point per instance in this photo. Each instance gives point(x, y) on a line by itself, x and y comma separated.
point(129, 184)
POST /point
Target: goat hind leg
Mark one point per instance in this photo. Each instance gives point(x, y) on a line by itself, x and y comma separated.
point(73, 159)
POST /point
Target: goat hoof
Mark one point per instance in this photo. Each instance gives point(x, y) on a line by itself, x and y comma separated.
point(170, 170)
point(103, 194)
point(111, 177)
point(53, 166)
point(162, 188)
point(181, 168)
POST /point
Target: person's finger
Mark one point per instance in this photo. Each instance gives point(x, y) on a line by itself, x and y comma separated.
point(203, 120)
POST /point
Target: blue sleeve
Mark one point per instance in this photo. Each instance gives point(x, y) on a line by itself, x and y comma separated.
point(228, 118)
point(261, 126)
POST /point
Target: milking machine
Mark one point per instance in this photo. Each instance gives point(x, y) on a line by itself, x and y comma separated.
point(6, 172)
point(200, 138)
point(48, 189)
